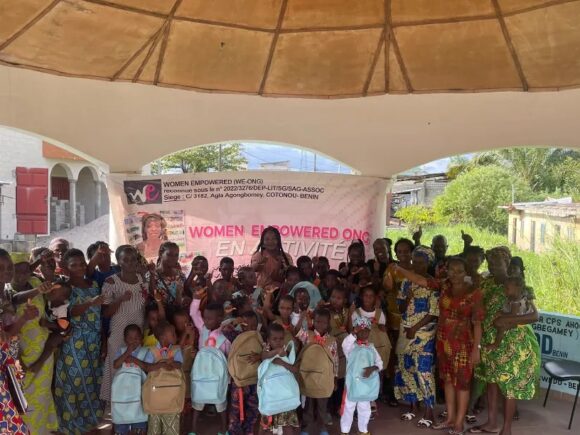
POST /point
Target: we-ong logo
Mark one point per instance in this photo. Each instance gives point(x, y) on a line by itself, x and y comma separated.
point(143, 191)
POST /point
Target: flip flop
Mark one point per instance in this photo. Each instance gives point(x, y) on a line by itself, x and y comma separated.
point(455, 432)
point(425, 423)
point(471, 419)
point(441, 426)
point(479, 429)
point(408, 416)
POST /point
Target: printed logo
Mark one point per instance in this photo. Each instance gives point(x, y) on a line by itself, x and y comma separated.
point(143, 191)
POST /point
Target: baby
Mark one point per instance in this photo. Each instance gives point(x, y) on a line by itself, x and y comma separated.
point(517, 304)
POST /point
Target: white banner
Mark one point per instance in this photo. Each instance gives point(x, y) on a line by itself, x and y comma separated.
point(223, 214)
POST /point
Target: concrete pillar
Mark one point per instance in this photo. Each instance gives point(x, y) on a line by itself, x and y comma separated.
point(73, 202)
point(99, 205)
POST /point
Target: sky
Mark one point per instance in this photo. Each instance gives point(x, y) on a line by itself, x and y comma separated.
point(301, 160)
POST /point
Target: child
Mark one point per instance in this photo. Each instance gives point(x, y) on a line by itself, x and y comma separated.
point(248, 279)
point(226, 270)
point(243, 361)
point(154, 313)
point(285, 422)
point(187, 340)
point(304, 264)
point(517, 304)
point(126, 409)
point(321, 269)
point(211, 335)
point(301, 315)
point(165, 356)
point(318, 362)
point(362, 381)
point(220, 292)
point(340, 322)
point(378, 336)
point(292, 278)
point(285, 308)
point(198, 276)
point(330, 281)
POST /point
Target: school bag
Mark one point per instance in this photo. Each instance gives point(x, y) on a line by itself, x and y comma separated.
point(379, 338)
point(209, 374)
point(242, 372)
point(164, 390)
point(126, 407)
point(316, 369)
point(359, 388)
point(278, 389)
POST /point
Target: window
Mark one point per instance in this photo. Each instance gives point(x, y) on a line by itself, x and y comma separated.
point(571, 233)
point(522, 227)
point(542, 233)
point(556, 230)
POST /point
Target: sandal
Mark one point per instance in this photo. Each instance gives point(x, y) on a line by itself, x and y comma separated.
point(443, 414)
point(470, 419)
point(408, 416)
point(441, 426)
point(479, 429)
point(455, 432)
point(424, 423)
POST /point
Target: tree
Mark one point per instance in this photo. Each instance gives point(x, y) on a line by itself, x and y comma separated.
point(202, 159)
point(415, 216)
point(474, 197)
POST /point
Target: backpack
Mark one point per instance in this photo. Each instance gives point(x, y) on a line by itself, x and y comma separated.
point(379, 338)
point(359, 388)
point(278, 389)
point(209, 374)
point(126, 407)
point(164, 390)
point(316, 370)
point(242, 372)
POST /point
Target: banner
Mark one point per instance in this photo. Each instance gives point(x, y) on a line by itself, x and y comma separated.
point(559, 338)
point(223, 214)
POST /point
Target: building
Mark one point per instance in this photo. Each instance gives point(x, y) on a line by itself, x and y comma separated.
point(534, 225)
point(45, 188)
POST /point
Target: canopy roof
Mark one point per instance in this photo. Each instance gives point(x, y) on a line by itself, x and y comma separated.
point(308, 48)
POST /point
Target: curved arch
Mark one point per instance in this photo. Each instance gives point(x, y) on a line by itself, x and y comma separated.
point(128, 125)
point(65, 168)
point(269, 143)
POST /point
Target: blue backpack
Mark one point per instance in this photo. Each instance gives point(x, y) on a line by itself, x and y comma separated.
point(126, 407)
point(278, 389)
point(359, 388)
point(209, 374)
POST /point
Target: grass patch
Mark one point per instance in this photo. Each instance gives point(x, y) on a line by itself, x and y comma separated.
point(554, 275)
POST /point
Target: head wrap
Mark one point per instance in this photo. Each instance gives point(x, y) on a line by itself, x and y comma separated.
point(19, 257)
point(501, 251)
point(425, 252)
point(361, 322)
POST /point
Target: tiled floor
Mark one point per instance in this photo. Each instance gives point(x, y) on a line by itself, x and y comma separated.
point(535, 420)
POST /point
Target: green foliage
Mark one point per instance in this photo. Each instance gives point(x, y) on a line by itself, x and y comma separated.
point(416, 215)
point(473, 197)
point(554, 275)
point(202, 159)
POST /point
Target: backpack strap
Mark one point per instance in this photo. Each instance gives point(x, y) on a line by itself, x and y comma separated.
point(291, 349)
point(377, 318)
point(142, 353)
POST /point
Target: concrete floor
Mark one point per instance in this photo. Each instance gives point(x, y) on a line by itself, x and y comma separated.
point(535, 420)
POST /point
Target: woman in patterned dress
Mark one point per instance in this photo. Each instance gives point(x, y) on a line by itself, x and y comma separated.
point(270, 261)
point(458, 338)
point(41, 415)
point(414, 377)
point(513, 369)
point(125, 296)
point(78, 367)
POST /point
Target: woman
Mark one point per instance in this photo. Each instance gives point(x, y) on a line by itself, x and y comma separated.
point(270, 261)
point(125, 296)
point(513, 369)
point(458, 338)
point(419, 307)
point(167, 282)
point(154, 233)
point(78, 371)
point(58, 247)
point(41, 415)
point(10, 420)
